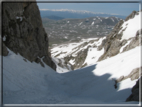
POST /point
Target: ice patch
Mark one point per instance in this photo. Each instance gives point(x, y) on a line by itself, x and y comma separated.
point(21, 18)
point(4, 38)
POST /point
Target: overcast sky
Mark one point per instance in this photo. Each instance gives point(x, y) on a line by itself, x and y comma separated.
point(112, 8)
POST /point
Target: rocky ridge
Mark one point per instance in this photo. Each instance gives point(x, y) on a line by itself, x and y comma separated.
point(94, 50)
point(23, 32)
point(77, 54)
point(114, 42)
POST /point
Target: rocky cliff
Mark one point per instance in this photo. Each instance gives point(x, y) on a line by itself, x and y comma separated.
point(135, 91)
point(23, 32)
point(119, 40)
point(125, 36)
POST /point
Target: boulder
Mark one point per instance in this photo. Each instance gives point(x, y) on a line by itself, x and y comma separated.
point(120, 79)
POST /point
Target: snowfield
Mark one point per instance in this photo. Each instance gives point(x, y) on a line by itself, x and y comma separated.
point(29, 83)
point(131, 26)
point(72, 49)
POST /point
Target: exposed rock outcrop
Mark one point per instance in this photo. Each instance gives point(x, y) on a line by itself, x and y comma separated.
point(136, 41)
point(113, 43)
point(135, 92)
point(134, 74)
point(132, 15)
point(22, 27)
point(79, 60)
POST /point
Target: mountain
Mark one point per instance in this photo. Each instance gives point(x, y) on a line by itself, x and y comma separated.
point(106, 77)
point(69, 30)
point(73, 14)
point(125, 36)
point(23, 32)
point(54, 17)
point(30, 83)
point(88, 51)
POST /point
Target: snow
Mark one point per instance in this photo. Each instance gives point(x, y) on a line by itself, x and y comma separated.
point(93, 56)
point(92, 23)
point(26, 82)
point(67, 49)
point(132, 26)
point(99, 18)
point(21, 18)
point(66, 37)
point(117, 18)
point(4, 38)
point(72, 62)
point(112, 19)
point(58, 68)
point(119, 64)
point(121, 49)
point(126, 84)
point(30, 83)
point(72, 49)
point(80, 23)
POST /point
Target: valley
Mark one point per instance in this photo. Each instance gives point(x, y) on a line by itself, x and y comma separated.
point(94, 60)
point(73, 30)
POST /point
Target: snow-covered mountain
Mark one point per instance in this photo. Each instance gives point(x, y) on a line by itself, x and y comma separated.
point(88, 51)
point(125, 37)
point(30, 83)
point(67, 13)
point(68, 30)
point(110, 65)
point(77, 55)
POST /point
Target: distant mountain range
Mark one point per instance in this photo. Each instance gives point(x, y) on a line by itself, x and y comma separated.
point(53, 17)
point(65, 13)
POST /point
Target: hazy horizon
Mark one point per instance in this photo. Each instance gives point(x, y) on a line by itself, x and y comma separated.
point(109, 8)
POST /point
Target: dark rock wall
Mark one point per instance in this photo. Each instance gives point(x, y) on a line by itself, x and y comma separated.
point(135, 92)
point(24, 32)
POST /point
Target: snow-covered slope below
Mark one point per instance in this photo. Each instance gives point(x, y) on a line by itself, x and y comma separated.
point(77, 55)
point(25, 82)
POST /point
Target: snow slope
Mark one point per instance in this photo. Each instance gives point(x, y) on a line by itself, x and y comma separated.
point(29, 83)
point(63, 50)
point(26, 82)
point(131, 26)
point(73, 49)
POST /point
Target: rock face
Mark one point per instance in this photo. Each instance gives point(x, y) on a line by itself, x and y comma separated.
point(135, 92)
point(132, 15)
point(24, 33)
point(134, 74)
point(113, 43)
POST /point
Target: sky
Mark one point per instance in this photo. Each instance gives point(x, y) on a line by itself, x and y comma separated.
point(111, 8)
